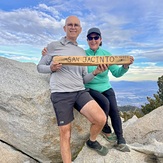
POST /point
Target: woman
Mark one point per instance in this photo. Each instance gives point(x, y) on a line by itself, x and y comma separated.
point(100, 85)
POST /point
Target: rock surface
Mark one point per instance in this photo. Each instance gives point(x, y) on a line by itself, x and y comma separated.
point(27, 118)
point(29, 134)
point(144, 140)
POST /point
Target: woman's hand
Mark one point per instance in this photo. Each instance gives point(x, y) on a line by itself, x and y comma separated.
point(131, 62)
point(100, 68)
point(44, 51)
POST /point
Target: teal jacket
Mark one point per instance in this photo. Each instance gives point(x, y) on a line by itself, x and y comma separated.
point(101, 82)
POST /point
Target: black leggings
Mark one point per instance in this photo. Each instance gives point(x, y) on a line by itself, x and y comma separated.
point(108, 103)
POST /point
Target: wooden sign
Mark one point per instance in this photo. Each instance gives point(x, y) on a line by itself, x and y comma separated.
point(92, 60)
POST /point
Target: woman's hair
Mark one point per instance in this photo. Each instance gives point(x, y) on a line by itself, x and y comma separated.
point(101, 41)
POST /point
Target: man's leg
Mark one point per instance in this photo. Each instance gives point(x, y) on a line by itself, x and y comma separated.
point(87, 106)
point(96, 116)
point(63, 106)
point(65, 135)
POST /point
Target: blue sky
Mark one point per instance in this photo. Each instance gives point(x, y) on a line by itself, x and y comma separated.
point(128, 27)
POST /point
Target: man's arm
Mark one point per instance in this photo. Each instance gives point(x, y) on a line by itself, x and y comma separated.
point(44, 64)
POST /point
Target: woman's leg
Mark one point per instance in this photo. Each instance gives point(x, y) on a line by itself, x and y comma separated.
point(116, 121)
point(114, 112)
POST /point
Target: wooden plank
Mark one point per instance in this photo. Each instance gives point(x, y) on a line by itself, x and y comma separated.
point(92, 60)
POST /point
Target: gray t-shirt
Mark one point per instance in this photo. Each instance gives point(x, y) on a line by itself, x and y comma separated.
point(69, 78)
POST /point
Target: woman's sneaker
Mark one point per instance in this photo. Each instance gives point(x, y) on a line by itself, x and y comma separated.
point(121, 140)
point(112, 138)
point(121, 145)
point(96, 146)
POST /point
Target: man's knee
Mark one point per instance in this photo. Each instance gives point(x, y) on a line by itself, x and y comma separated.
point(65, 131)
point(101, 118)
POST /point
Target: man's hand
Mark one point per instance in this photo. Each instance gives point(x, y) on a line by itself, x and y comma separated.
point(100, 68)
point(55, 66)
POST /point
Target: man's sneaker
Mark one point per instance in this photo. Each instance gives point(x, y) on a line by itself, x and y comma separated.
point(112, 138)
point(121, 145)
point(101, 150)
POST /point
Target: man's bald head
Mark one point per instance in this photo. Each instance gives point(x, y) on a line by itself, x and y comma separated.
point(72, 28)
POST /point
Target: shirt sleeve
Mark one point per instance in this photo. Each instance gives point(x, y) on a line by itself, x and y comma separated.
point(87, 77)
point(117, 71)
point(44, 64)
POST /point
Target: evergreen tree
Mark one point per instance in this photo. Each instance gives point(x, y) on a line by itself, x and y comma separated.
point(157, 101)
point(160, 91)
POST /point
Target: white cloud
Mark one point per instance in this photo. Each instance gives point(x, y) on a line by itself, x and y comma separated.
point(29, 26)
point(128, 27)
point(137, 73)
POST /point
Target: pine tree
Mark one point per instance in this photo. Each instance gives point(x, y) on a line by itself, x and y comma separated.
point(160, 91)
point(157, 101)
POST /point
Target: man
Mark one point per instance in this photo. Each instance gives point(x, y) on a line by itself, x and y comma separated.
point(68, 90)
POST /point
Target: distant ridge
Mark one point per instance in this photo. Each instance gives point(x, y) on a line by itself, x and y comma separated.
point(134, 92)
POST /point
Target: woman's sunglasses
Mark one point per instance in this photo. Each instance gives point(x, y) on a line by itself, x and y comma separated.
point(91, 38)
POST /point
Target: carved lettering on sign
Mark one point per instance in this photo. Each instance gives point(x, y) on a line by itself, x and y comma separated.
point(92, 60)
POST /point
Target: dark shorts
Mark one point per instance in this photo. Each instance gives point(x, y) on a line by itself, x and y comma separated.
point(65, 102)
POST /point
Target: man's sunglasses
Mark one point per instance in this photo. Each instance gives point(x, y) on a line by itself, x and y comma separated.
point(91, 38)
